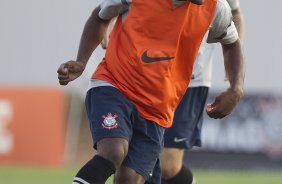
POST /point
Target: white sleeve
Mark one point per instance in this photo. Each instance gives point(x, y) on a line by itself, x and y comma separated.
point(113, 8)
point(222, 28)
point(234, 4)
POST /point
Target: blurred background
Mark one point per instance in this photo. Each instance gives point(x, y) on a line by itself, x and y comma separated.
point(44, 134)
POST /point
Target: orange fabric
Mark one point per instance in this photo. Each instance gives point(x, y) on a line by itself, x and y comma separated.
point(171, 34)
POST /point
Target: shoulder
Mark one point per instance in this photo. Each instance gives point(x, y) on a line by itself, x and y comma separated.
point(222, 5)
point(223, 15)
point(222, 28)
point(234, 4)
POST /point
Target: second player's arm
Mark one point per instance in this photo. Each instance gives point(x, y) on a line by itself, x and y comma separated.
point(238, 20)
point(233, 61)
point(234, 66)
point(235, 70)
point(226, 101)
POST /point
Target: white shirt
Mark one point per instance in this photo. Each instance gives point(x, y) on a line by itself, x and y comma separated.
point(222, 30)
point(234, 4)
point(202, 72)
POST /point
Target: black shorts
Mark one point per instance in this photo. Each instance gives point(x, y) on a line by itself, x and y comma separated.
point(112, 115)
point(188, 119)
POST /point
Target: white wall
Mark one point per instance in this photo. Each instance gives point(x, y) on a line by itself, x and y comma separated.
point(36, 36)
point(263, 47)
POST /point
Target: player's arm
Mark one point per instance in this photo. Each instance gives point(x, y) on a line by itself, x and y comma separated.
point(224, 31)
point(234, 67)
point(93, 33)
point(238, 18)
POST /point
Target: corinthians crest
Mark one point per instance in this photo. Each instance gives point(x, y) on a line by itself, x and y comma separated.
point(110, 121)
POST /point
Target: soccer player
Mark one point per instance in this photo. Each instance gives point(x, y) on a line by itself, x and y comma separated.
point(137, 87)
point(186, 130)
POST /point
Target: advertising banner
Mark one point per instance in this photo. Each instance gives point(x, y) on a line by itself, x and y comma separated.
point(32, 126)
point(255, 126)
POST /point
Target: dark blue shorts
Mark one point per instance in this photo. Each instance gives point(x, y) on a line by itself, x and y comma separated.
point(188, 119)
point(113, 115)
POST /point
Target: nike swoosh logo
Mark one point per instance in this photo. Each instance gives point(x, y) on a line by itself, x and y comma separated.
point(179, 140)
point(145, 58)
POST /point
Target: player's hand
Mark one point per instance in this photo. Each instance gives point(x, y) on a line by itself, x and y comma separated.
point(69, 71)
point(224, 104)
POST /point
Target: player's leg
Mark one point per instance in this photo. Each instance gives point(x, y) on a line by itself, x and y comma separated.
point(109, 113)
point(184, 134)
point(110, 154)
point(143, 154)
point(173, 170)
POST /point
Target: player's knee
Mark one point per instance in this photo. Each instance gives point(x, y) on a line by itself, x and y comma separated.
point(169, 172)
point(170, 168)
point(113, 149)
point(116, 155)
point(171, 163)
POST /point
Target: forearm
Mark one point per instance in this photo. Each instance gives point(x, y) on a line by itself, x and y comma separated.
point(239, 23)
point(234, 66)
point(93, 33)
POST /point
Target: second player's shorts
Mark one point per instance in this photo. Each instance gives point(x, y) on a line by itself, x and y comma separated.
point(113, 115)
point(188, 119)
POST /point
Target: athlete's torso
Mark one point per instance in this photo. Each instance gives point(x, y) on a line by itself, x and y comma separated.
point(151, 54)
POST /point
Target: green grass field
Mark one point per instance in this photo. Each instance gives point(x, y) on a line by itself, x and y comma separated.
point(19, 175)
